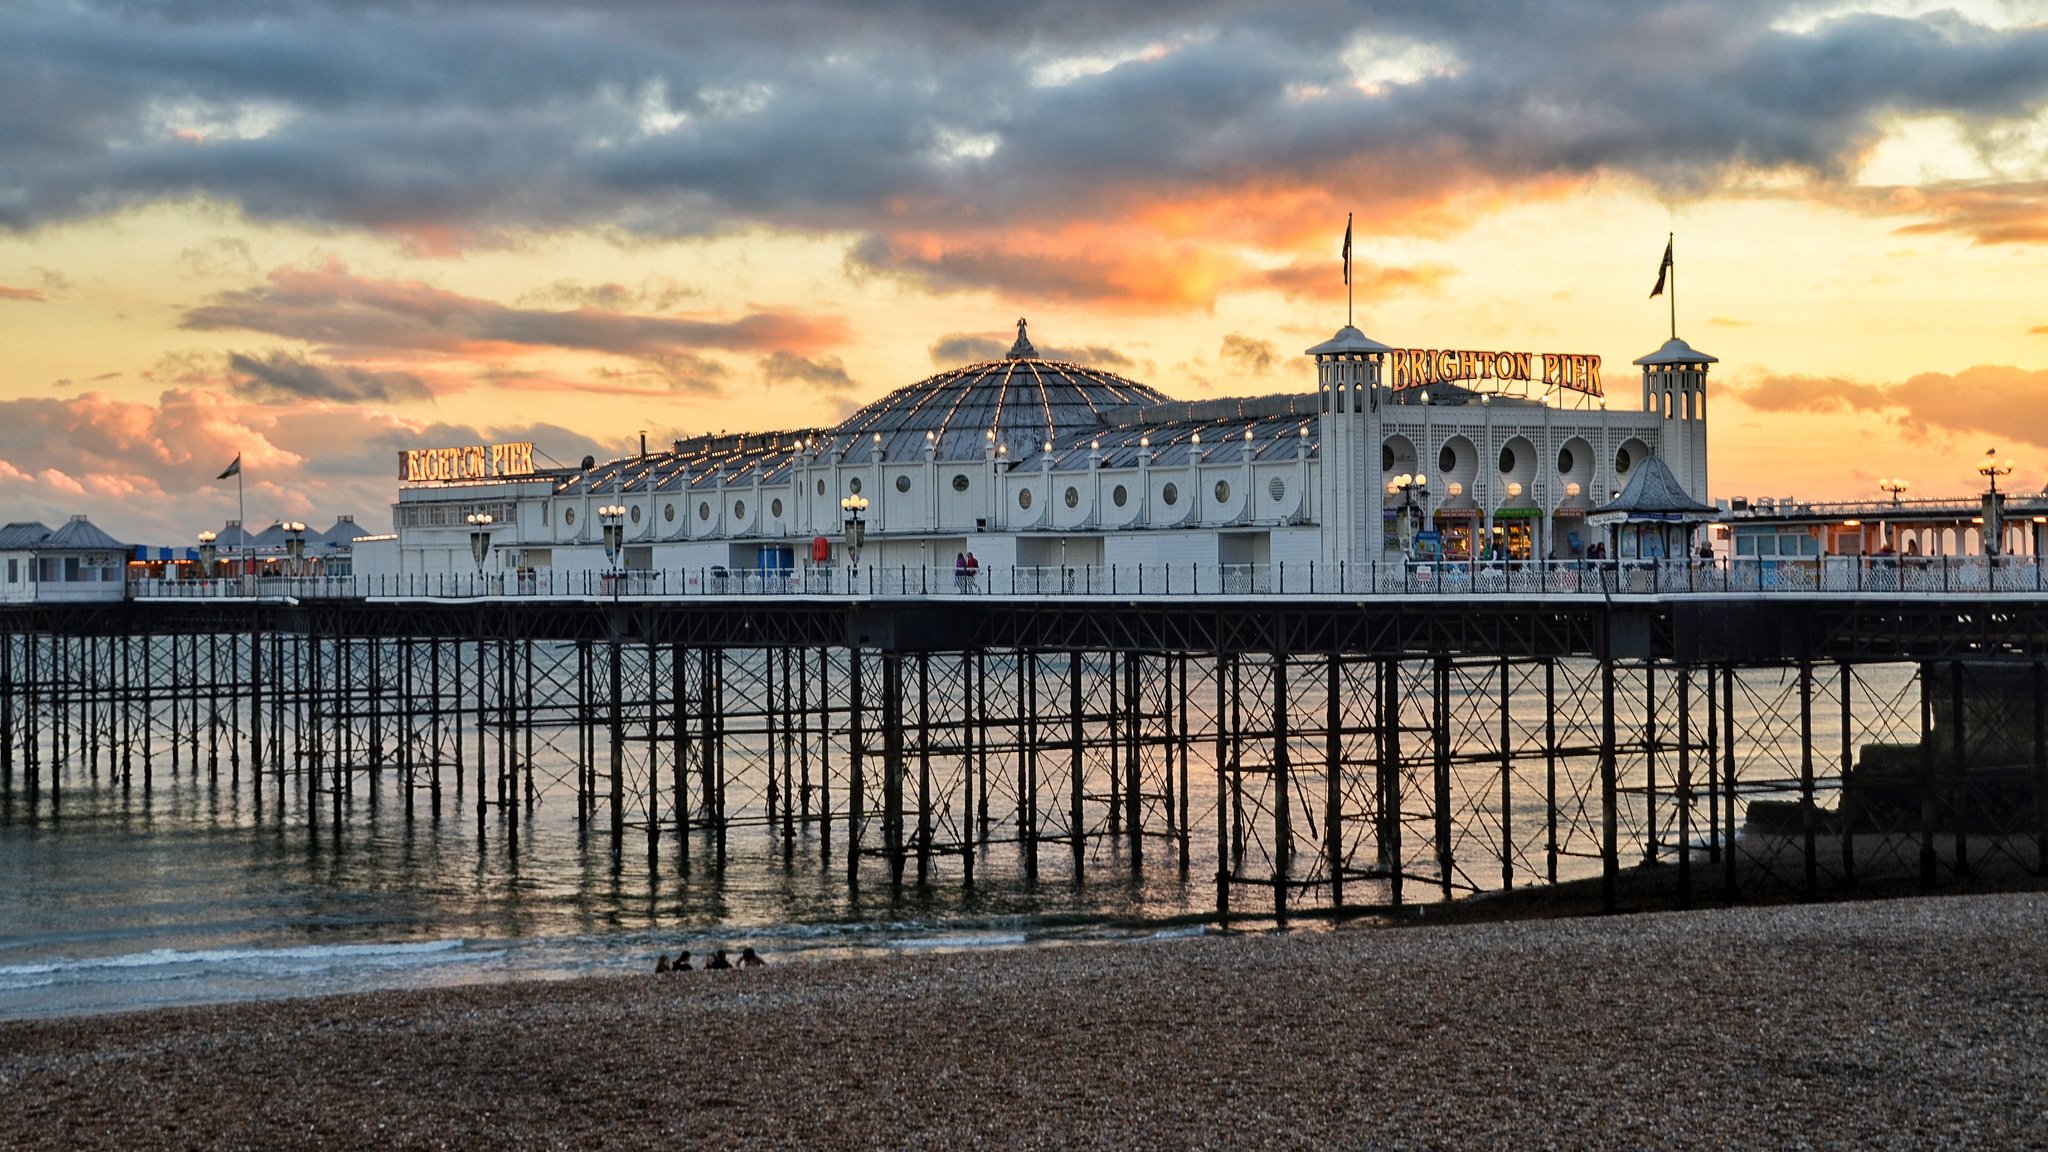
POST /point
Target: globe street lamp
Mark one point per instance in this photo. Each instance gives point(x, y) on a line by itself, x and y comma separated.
point(856, 531)
point(206, 540)
point(1406, 485)
point(1894, 487)
point(1991, 468)
point(613, 517)
point(479, 537)
point(295, 545)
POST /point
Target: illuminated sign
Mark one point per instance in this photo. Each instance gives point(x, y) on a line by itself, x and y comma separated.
point(469, 462)
point(1421, 367)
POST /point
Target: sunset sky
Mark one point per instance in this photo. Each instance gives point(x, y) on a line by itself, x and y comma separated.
point(317, 232)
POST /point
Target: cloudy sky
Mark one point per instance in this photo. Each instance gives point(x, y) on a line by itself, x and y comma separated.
point(317, 231)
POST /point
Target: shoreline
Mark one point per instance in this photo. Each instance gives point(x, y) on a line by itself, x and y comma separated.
point(1881, 1023)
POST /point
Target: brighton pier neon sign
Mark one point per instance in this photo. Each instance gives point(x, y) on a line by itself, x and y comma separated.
point(1420, 367)
point(469, 462)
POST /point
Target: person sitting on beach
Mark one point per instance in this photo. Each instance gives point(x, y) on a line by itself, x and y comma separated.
point(718, 962)
point(682, 963)
point(661, 963)
point(750, 959)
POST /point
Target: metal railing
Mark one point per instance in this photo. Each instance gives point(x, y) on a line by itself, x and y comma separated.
point(1834, 574)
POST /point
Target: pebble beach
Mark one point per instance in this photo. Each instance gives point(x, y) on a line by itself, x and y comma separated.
point(1912, 1023)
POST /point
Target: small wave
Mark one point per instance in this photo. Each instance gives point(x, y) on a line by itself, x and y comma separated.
point(1007, 940)
point(164, 957)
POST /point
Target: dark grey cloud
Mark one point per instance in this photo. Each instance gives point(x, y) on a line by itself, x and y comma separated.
point(459, 124)
point(348, 315)
point(1249, 354)
point(282, 375)
point(825, 373)
point(652, 294)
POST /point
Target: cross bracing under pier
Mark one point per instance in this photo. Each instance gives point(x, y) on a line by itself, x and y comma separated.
point(1308, 754)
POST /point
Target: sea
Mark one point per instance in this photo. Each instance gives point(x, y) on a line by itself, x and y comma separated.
point(185, 889)
point(122, 899)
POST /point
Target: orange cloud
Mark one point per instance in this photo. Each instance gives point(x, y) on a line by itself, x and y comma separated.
point(31, 294)
point(1992, 399)
point(1989, 212)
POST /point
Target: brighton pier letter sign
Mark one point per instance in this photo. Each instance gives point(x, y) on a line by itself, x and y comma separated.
point(469, 462)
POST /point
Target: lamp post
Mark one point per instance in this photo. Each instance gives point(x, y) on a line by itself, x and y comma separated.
point(1991, 467)
point(479, 537)
point(295, 545)
point(1406, 485)
point(856, 533)
point(612, 517)
point(1892, 486)
point(206, 540)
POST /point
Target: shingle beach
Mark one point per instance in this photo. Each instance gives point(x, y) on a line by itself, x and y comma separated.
point(1916, 1023)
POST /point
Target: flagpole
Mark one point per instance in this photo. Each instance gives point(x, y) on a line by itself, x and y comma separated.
point(1347, 271)
point(1670, 242)
point(242, 512)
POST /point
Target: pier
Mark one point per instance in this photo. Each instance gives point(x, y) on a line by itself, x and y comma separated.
point(1313, 751)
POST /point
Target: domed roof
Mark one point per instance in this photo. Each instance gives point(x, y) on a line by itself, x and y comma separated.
point(1025, 398)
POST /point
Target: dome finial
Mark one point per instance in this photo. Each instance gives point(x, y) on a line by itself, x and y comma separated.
point(1022, 349)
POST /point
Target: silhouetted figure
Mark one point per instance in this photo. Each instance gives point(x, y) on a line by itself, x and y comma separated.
point(718, 962)
point(661, 964)
point(750, 959)
point(682, 963)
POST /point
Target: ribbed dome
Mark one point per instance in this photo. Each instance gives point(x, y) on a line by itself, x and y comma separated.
point(1026, 399)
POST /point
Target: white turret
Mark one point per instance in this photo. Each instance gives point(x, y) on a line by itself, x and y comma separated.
point(1675, 387)
point(1348, 385)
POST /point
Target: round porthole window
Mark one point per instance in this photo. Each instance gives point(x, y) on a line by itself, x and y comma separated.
point(821, 487)
point(1564, 461)
point(1277, 488)
point(903, 483)
point(703, 511)
point(775, 508)
point(739, 509)
point(960, 482)
point(668, 513)
point(853, 485)
point(1446, 459)
point(1118, 495)
point(1507, 460)
point(1622, 460)
point(635, 513)
point(1024, 498)
point(1170, 495)
point(1073, 497)
point(1223, 491)
point(1386, 458)
point(568, 516)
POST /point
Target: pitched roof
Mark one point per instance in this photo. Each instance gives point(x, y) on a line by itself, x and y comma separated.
point(1676, 351)
point(1348, 340)
point(78, 532)
point(1654, 492)
point(23, 534)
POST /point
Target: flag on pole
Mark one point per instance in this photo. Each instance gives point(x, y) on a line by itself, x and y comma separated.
point(1663, 270)
point(234, 469)
point(1347, 248)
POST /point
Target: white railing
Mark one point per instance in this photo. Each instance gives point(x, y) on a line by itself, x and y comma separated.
point(1910, 575)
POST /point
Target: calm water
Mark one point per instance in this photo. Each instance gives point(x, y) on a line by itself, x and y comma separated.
point(184, 893)
point(181, 897)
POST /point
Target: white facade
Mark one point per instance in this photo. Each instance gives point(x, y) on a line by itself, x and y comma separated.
point(77, 562)
point(1039, 463)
